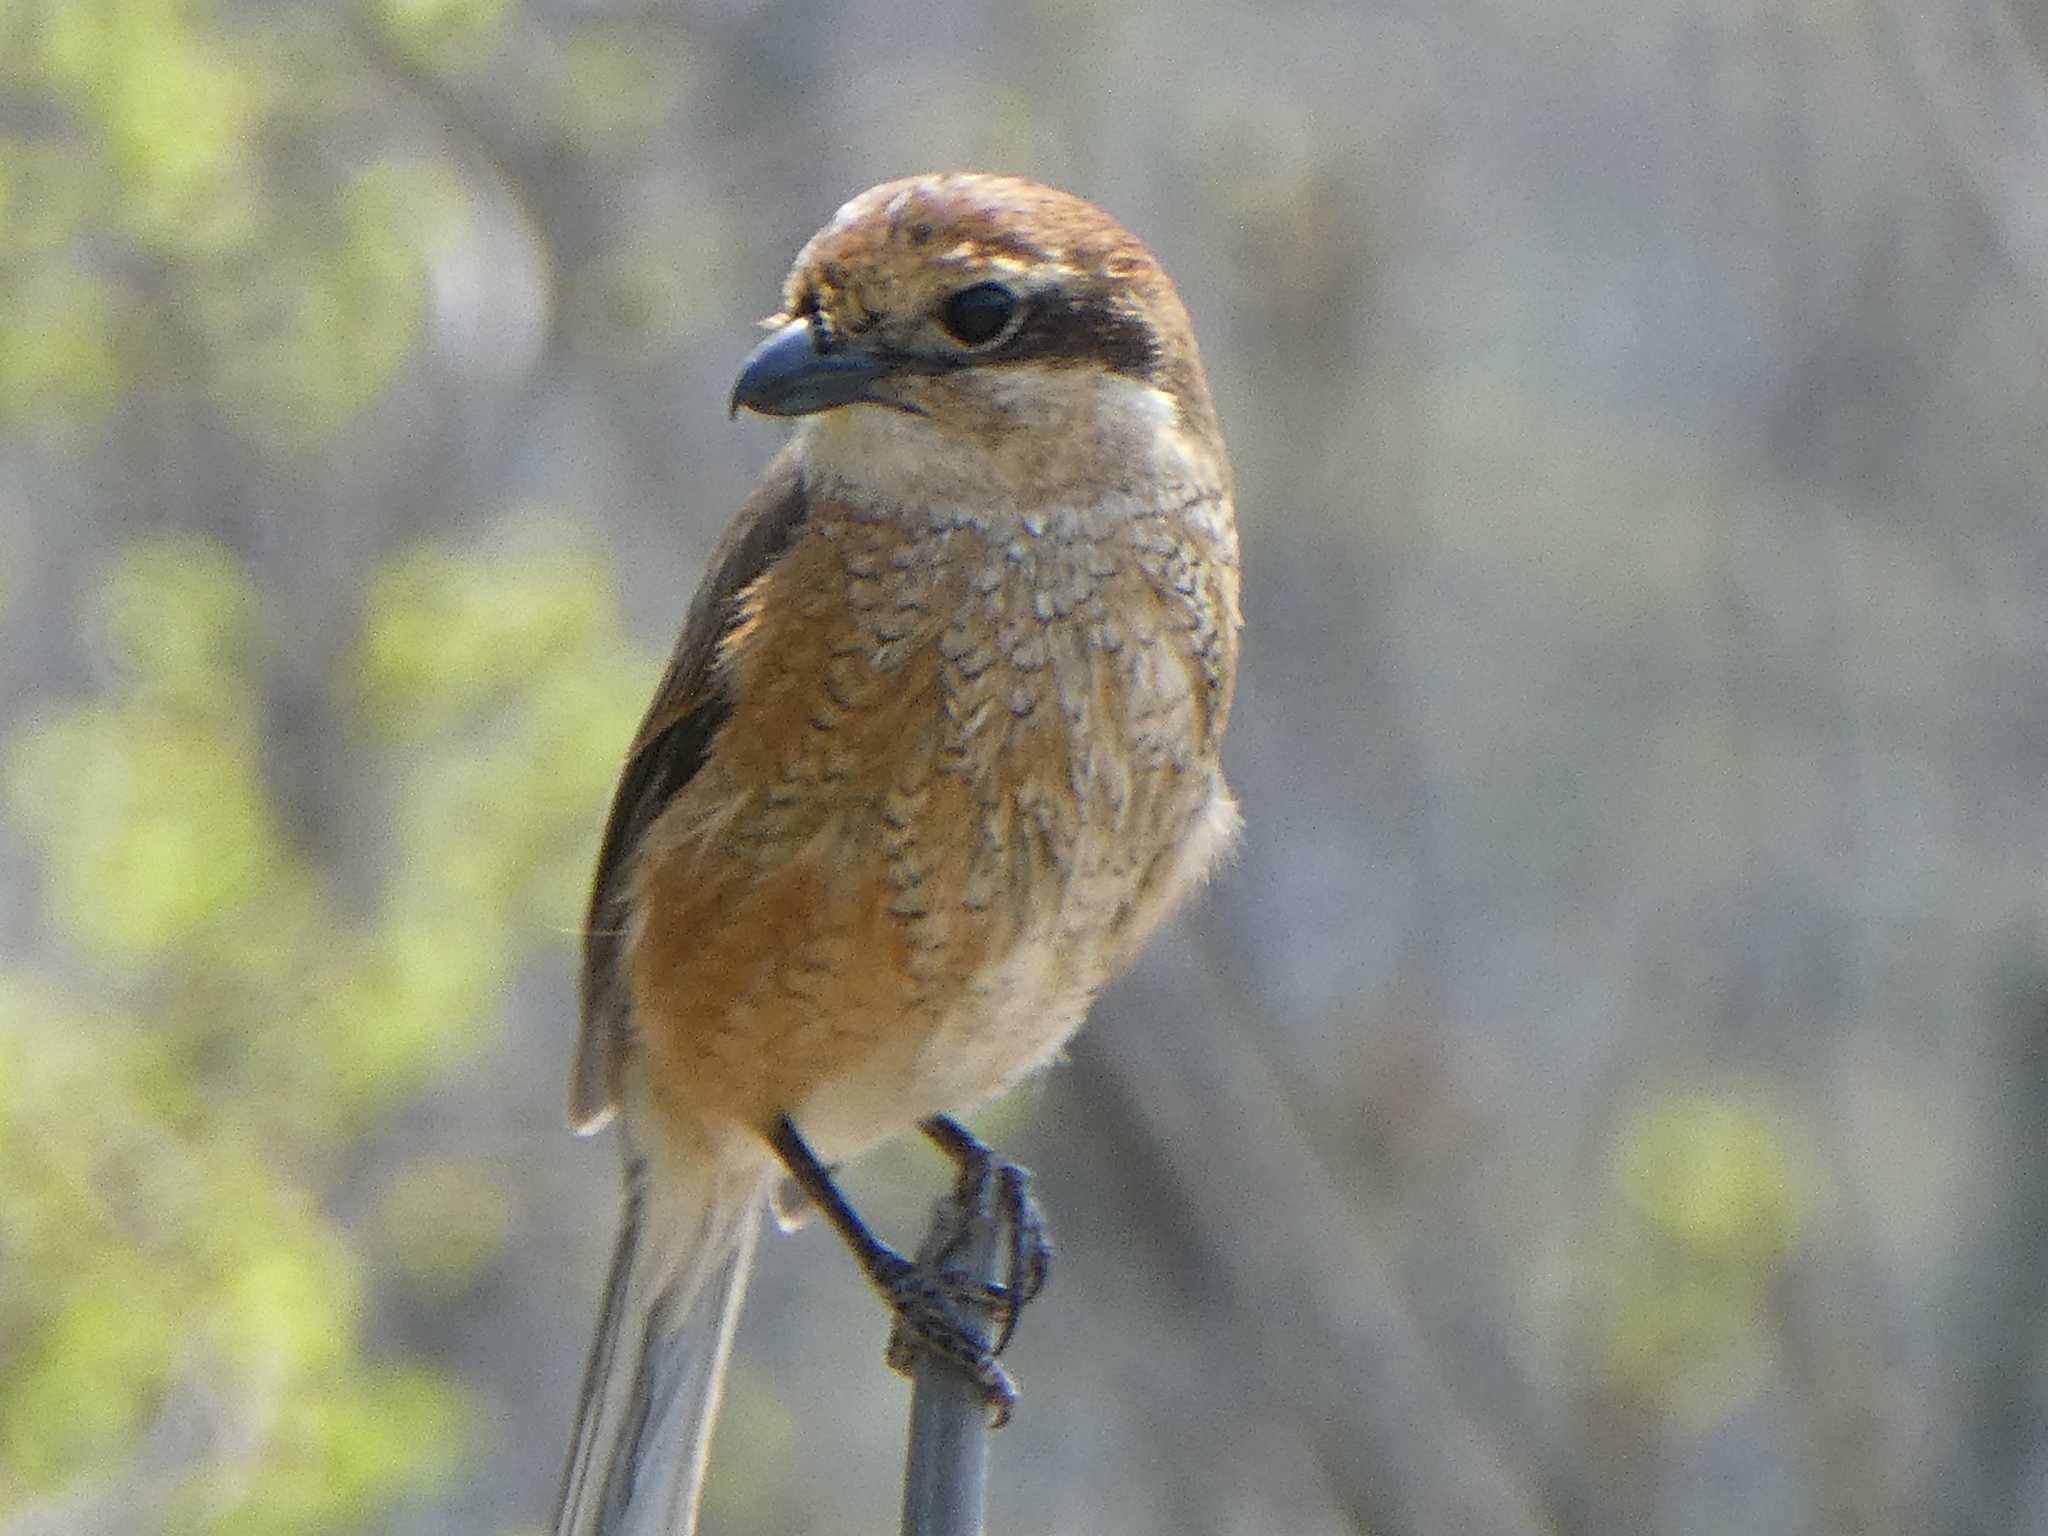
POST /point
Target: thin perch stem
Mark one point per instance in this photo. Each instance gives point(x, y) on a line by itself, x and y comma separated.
point(945, 1479)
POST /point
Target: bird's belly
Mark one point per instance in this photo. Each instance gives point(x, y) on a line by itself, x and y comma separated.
point(890, 961)
point(1015, 992)
point(933, 827)
point(1012, 1016)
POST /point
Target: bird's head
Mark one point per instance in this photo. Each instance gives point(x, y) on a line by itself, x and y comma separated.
point(959, 335)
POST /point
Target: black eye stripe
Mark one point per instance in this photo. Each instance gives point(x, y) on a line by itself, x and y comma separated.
point(1056, 326)
point(1086, 328)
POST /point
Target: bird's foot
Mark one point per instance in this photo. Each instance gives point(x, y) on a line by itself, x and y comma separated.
point(988, 1222)
point(939, 1305)
point(933, 1316)
point(989, 1189)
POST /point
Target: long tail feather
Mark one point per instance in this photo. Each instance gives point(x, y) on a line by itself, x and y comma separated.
point(650, 1391)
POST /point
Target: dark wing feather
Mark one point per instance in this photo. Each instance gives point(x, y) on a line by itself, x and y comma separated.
point(673, 742)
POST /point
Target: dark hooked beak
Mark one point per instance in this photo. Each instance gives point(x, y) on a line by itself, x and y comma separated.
point(788, 376)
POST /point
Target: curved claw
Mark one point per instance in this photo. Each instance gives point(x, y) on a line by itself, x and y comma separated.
point(925, 1300)
point(1027, 1247)
point(938, 1306)
point(1030, 1250)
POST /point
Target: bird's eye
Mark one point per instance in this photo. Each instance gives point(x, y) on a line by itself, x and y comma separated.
point(977, 315)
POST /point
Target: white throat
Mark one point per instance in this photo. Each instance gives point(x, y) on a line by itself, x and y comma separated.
point(1040, 438)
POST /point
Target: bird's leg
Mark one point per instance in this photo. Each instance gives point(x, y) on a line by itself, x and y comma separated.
point(1027, 1247)
point(923, 1295)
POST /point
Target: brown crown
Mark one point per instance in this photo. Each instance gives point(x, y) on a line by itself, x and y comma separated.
point(901, 247)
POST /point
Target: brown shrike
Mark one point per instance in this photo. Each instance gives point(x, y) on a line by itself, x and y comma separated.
point(936, 751)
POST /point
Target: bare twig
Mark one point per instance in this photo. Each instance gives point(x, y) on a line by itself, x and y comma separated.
point(945, 1478)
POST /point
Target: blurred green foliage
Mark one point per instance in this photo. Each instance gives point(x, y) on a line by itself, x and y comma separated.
point(748, 1487)
point(654, 290)
point(440, 34)
point(1704, 1212)
point(442, 1223)
point(197, 210)
point(173, 1114)
point(613, 88)
point(200, 211)
point(173, 221)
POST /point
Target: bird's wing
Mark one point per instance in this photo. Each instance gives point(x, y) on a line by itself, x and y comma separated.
point(674, 740)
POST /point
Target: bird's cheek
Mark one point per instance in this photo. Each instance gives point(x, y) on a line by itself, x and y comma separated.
point(962, 407)
point(922, 394)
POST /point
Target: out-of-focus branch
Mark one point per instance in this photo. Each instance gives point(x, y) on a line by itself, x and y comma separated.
point(1978, 77)
point(1335, 1338)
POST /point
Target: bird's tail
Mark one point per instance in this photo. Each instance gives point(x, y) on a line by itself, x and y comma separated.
point(650, 1391)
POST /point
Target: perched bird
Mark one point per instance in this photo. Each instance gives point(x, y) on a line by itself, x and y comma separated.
point(936, 751)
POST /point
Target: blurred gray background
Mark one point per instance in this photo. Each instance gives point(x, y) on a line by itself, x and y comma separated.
point(1606, 1093)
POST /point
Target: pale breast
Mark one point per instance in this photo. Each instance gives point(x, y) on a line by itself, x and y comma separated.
point(971, 765)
